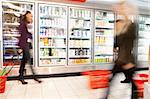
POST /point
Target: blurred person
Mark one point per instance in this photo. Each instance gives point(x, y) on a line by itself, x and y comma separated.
point(124, 43)
point(25, 43)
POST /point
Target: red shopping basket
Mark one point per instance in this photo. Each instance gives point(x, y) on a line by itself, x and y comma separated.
point(98, 78)
point(139, 80)
point(2, 83)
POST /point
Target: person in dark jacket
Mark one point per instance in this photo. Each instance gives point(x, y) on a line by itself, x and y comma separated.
point(25, 43)
point(125, 38)
point(125, 61)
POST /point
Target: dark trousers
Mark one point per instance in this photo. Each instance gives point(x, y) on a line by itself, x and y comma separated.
point(129, 74)
point(26, 58)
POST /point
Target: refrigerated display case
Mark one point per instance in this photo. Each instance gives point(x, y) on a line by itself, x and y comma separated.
point(104, 37)
point(52, 35)
point(80, 36)
point(143, 39)
point(11, 12)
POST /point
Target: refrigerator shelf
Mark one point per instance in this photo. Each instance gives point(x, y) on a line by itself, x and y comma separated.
point(10, 57)
point(11, 46)
point(80, 63)
point(108, 28)
point(106, 36)
point(80, 38)
point(10, 23)
point(55, 27)
point(55, 57)
point(52, 34)
point(111, 20)
point(59, 47)
point(13, 24)
point(44, 16)
point(12, 12)
point(79, 47)
point(101, 54)
point(57, 37)
point(53, 64)
point(81, 28)
point(106, 44)
point(81, 18)
point(12, 35)
point(80, 56)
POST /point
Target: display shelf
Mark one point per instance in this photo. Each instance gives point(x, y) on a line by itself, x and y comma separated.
point(13, 24)
point(44, 16)
point(108, 28)
point(10, 57)
point(55, 27)
point(80, 36)
point(59, 47)
point(143, 40)
point(75, 47)
point(9, 46)
point(80, 61)
point(103, 54)
point(11, 12)
point(80, 56)
point(52, 35)
point(52, 64)
point(104, 37)
point(56, 57)
point(81, 18)
point(57, 37)
point(12, 35)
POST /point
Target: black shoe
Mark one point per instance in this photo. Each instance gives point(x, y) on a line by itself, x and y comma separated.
point(126, 81)
point(39, 81)
point(23, 82)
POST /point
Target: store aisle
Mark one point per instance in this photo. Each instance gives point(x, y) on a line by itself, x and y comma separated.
point(63, 88)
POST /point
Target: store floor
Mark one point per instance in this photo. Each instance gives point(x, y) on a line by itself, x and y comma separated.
point(64, 88)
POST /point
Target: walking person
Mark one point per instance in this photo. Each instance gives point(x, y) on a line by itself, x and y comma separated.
point(25, 43)
point(124, 43)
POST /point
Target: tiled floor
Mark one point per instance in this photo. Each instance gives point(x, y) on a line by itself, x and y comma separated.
point(64, 88)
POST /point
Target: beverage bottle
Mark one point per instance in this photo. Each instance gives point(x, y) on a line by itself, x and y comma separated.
point(41, 31)
point(44, 32)
point(86, 52)
point(76, 52)
point(78, 13)
point(82, 13)
point(49, 11)
point(53, 11)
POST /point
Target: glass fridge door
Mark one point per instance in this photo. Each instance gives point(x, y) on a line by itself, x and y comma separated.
point(11, 12)
point(143, 38)
point(52, 35)
point(80, 31)
point(104, 37)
